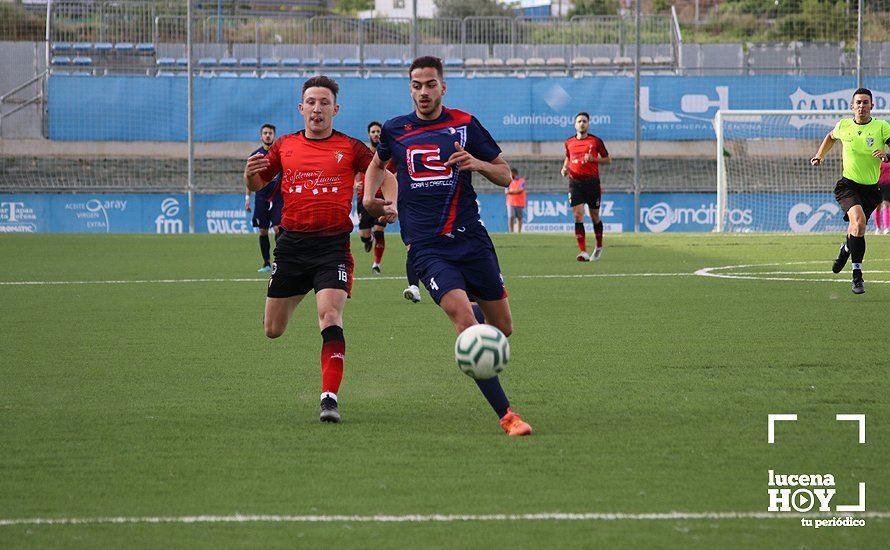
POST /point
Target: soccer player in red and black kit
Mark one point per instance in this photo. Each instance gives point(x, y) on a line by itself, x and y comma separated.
point(318, 167)
point(371, 229)
point(435, 151)
point(584, 154)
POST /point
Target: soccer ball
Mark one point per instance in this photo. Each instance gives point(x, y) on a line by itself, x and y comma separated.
point(482, 352)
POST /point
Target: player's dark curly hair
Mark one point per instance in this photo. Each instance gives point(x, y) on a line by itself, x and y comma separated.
point(427, 61)
point(322, 81)
point(585, 114)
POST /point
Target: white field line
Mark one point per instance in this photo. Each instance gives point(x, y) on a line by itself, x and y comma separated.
point(264, 280)
point(788, 276)
point(429, 518)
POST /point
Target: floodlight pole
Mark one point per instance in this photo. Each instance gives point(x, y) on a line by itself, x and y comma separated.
point(637, 129)
point(191, 120)
point(413, 29)
point(859, 44)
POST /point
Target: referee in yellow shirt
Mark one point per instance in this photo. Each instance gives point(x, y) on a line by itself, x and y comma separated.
point(864, 139)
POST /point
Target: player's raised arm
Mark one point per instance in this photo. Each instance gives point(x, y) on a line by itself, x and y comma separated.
point(824, 148)
point(376, 176)
point(497, 171)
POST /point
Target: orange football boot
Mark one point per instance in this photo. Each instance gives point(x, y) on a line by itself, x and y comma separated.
point(513, 424)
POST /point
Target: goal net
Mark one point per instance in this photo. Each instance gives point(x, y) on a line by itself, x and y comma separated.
point(764, 178)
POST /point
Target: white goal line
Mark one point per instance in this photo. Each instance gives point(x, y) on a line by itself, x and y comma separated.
point(428, 518)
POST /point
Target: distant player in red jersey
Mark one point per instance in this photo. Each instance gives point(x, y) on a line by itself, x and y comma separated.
point(318, 167)
point(584, 154)
point(371, 229)
point(436, 150)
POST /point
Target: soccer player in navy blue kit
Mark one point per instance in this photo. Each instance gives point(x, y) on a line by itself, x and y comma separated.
point(435, 150)
point(266, 203)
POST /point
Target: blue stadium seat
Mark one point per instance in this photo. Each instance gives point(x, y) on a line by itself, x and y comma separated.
point(270, 62)
point(81, 73)
point(207, 62)
point(373, 62)
point(61, 73)
point(335, 75)
point(182, 61)
point(248, 62)
point(123, 47)
point(82, 46)
point(145, 47)
point(311, 62)
point(352, 62)
point(227, 74)
point(392, 62)
point(61, 46)
point(290, 62)
point(331, 63)
point(61, 60)
point(450, 63)
point(394, 75)
point(270, 74)
point(247, 74)
point(166, 73)
point(374, 75)
point(81, 61)
point(291, 75)
point(165, 62)
point(228, 62)
point(103, 47)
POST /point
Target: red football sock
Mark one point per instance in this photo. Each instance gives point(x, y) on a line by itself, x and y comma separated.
point(580, 237)
point(379, 246)
point(886, 217)
point(333, 352)
point(879, 217)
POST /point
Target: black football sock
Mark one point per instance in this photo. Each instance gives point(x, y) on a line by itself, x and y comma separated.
point(495, 395)
point(264, 248)
point(857, 254)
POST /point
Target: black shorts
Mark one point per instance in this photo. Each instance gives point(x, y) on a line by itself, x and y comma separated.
point(885, 191)
point(848, 194)
point(587, 192)
point(266, 214)
point(365, 220)
point(304, 262)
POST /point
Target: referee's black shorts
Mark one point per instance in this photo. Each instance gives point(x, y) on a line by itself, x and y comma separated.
point(848, 194)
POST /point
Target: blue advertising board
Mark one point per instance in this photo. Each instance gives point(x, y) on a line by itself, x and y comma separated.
point(138, 108)
point(225, 214)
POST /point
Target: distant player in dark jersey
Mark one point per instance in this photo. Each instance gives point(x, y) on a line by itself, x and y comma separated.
point(436, 150)
point(584, 154)
point(318, 166)
point(371, 229)
point(864, 140)
point(267, 202)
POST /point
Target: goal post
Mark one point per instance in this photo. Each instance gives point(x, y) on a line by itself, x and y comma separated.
point(764, 178)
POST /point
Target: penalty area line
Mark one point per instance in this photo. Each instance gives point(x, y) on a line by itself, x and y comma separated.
point(428, 518)
point(264, 280)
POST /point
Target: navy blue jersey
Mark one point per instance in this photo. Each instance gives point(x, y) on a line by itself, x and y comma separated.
point(435, 199)
point(267, 192)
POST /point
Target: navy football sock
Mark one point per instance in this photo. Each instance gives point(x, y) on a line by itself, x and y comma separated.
point(264, 248)
point(495, 395)
point(477, 312)
point(411, 273)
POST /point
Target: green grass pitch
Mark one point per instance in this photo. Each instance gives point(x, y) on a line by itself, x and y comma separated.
point(647, 393)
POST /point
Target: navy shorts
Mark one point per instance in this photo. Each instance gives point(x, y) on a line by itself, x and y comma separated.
point(266, 214)
point(469, 263)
